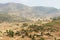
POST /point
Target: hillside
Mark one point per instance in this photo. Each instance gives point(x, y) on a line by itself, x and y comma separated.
point(30, 31)
point(21, 12)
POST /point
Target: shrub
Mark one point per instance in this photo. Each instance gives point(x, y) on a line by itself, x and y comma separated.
point(10, 33)
point(17, 33)
point(23, 36)
point(58, 39)
point(41, 39)
point(24, 25)
point(48, 34)
point(33, 38)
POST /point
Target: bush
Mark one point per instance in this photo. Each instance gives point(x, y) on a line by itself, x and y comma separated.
point(24, 25)
point(10, 33)
point(48, 34)
point(58, 39)
point(41, 39)
point(17, 33)
point(33, 38)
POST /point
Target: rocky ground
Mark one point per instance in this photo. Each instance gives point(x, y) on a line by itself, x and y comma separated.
point(29, 31)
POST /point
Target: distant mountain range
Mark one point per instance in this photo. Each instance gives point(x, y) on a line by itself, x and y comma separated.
point(21, 12)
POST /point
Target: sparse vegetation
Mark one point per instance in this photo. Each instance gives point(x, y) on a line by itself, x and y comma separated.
point(34, 31)
point(10, 33)
point(21, 22)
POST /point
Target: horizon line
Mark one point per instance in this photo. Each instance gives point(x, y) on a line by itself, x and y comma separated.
point(29, 5)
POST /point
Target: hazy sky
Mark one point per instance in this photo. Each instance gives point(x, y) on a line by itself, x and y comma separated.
point(48, 3)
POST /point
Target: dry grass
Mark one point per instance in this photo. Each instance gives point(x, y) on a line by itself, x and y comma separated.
point(17, 27)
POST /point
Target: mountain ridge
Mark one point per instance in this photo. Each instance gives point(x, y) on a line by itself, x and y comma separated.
point(20, 11)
